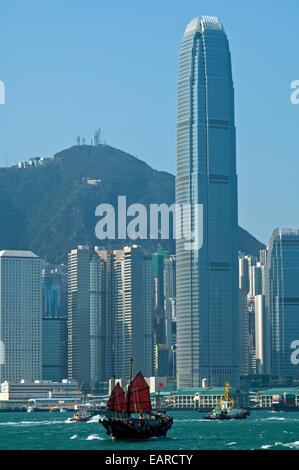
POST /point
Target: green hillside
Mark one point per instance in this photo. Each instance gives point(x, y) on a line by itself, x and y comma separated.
point(50, 208)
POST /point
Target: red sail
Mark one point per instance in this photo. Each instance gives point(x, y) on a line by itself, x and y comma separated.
point(117, 400)
point(138, 396)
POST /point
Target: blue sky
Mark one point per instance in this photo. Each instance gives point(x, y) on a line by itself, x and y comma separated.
point(72, 66)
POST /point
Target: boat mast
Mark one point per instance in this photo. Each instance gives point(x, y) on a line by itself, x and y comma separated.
point(129, 388)
point(113, 387)
point(159, 403)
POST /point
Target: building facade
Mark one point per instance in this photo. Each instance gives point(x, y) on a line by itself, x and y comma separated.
point(262, 337)
point(54, 288)
point(207, 279)
point(282, 300)
point(54, 348)
point(101, 319)
point(20, 315)
point(133, 311)
point(79, 315)
point(28, 389)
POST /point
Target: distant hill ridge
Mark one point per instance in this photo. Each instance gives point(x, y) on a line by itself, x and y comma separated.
point(50, 208)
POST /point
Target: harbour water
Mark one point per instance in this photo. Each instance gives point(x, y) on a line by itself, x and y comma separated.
point(54, 431)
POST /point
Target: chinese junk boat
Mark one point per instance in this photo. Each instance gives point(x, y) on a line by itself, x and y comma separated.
point(132, 415)
point(227, 409)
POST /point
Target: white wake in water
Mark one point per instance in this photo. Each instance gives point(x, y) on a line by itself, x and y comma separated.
point(95, 419)
point(290, 445)
point(29, 423)
point(94, 436)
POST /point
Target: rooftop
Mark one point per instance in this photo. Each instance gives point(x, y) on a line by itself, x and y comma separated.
point(204, 23)
point(202, 391)
point(17, 254)
point(279, 391)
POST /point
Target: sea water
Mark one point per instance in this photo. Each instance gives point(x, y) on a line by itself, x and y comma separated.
point(55, 431)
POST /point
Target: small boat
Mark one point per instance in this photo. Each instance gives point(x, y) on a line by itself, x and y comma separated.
point(227, 409)
point(286, 402)
point(132, 415)
point(81, 416)
point(54, 409)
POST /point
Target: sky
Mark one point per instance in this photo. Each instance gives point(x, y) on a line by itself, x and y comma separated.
point(71, 67)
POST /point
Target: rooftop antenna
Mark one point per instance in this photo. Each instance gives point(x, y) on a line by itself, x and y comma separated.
point(78, 140)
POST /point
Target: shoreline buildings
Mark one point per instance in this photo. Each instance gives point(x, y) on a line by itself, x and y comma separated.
point(207, 279)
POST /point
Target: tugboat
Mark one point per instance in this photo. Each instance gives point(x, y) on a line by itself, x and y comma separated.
point(227, 409)
point(132, 415)
point(81, 416)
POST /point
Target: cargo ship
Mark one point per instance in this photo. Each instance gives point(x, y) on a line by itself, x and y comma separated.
point(284, 402)
point(227, 409)
point(131, 412)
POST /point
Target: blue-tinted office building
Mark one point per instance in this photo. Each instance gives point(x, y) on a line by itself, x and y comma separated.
point(207, 278)
point(282, 301)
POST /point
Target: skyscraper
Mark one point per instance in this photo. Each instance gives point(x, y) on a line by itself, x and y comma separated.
point(79, 315)
point(207, 279)
point(20, 315)
point(54, 348)
point(133, 311)
point(90, 322)
point(170, 311)
point(262, 337)
point(101, 320)
point(282, 299)
point(54, 288)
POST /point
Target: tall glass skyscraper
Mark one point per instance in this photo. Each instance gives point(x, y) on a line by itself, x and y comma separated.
point(282, 300)
point(207, 279)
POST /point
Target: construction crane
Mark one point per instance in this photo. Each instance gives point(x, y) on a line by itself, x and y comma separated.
point(75, 402)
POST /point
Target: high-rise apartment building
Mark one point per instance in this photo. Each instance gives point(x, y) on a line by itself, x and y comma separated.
point(20, 315)
point(79, 315)
point(133, 311)
point(101, 319)
point(207, 278)
point(110, 314)
point(90, 317)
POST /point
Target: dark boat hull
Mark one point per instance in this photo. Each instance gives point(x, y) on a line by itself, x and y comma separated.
point(134, 428)
point(242, 414)
point(280, 407)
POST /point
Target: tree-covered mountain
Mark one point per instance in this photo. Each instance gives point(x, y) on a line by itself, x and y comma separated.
point(49, 208)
